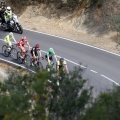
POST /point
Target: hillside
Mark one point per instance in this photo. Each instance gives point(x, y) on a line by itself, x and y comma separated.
point(89, 25)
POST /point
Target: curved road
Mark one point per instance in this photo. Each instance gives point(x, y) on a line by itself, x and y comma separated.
point(102, 68)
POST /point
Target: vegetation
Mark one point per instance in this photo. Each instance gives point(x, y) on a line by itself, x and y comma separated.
point(31, 96)
point(105, 107)
point(42, 96)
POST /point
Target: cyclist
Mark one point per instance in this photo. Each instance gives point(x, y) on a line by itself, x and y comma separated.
point(21, 45)
point(61, 66)
point(7, 40)
point(34, 52)
point(49, 56)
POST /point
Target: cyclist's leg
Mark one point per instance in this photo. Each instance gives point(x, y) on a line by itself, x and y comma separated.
point(9, 44)
point(23, 51)
point(51, 59)
point(46, 57)
point(36, 55)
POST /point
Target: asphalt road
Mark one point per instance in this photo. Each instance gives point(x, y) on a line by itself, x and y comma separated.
point(102, 69)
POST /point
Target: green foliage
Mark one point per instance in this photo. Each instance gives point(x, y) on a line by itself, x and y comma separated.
point(69, 99)
point(105, 107)
point(30, 96)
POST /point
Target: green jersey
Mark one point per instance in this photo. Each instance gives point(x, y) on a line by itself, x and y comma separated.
point(7, 39)
point(50, 54)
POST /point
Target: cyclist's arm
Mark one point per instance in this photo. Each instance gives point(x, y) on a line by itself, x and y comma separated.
point(57, 69)
point(40, 53)
point(66, 68)
point(33, 54)
point(55, 57)
point(48, 60)
point(14, 39)
point(28, 45)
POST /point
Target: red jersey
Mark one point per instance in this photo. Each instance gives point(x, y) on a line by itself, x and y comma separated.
point(21, 42)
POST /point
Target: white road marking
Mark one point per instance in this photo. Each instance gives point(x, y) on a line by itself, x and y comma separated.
point(110, 80)
point(16, 64)
point(72, 41)
point(60, 57)
point(93, 71)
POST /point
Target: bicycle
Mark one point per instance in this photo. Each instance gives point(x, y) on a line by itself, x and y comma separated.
point(23, 59)
point(50, 67)
point(9, 52)
point(36, 64)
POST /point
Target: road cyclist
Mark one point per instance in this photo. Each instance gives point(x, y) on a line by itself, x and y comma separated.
point(61, 67)
point(49, 58)
point(35, 53)
point(8, 39)
point(22, 54)
point(8, 49)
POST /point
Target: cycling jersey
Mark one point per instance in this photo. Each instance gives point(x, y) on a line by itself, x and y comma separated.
point(49, 54)
point(61, 65)
point(35, 51)
point(8, 38)
point(21, 42)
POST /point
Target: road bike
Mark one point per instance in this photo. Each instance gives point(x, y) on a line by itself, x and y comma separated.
point(23, 58)
point(9, 51)
point(36, 64)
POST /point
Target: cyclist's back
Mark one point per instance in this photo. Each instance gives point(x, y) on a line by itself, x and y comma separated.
point(61, 64)
point(21, 42)
point(35, 50)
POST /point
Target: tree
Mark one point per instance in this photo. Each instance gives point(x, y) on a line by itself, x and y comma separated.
point(105, 107)
point(31, 96)
point(68, 100)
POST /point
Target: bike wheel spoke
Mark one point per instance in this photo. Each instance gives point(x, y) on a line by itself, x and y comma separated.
point(27, 61)
point(40, 66)
point(19, 59)
point(14, 53)
point(4, 51)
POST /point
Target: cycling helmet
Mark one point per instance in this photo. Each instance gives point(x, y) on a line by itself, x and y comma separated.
point(23, 38)
point(51, 50)
point(8, 8)
point(10, 34)
point(62, 59)
point(37, 46)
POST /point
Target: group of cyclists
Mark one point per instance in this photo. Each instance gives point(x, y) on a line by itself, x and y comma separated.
point(61, 64)
point(6, 15)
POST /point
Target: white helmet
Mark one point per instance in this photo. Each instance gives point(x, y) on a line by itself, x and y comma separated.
point(10, 34)
point(8, 8)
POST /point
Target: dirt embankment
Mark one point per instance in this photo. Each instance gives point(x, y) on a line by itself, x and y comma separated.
point(67, 25)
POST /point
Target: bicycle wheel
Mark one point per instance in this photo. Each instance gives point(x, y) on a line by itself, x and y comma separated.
point(40, 65)
point(14, 53)
point(27, 61)
point(5, 52)
point(48, 68)
point(19, 58)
